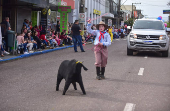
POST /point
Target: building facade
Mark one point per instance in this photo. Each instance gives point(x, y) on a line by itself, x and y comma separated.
point(97, 10)
point(18, 10)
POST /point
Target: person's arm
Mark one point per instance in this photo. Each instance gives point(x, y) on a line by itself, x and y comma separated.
point(89, 30)
point(22, 39)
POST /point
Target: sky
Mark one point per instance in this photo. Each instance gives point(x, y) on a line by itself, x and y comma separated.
point(151, 8)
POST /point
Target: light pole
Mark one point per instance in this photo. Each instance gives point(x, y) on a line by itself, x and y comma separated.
point(132, 8)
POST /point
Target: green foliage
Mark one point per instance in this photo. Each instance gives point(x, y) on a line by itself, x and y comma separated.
point(168, 24)
point(129, 22)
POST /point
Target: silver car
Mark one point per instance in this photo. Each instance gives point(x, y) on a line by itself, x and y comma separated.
point(148, 35)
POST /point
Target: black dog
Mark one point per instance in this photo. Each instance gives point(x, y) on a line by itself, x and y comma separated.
point(71, 72)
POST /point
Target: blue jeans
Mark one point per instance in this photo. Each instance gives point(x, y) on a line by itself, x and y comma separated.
point(34, 45)
point(45, 42)
point(77, 38)
point(23, 45)
point(2, 49)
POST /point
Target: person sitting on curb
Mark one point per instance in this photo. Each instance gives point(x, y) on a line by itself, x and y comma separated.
point(22, 43)
point(43, 38)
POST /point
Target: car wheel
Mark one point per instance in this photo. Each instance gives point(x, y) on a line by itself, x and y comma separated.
point(129, 51)
point(165, 53)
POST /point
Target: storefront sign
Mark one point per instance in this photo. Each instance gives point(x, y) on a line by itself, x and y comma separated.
point(97, 12)
point(64, 10)
point(166, 11)
point(49, 11)
point(67, 3)
point(135, 14)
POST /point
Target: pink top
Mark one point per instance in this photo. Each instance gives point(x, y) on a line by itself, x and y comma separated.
point(20, 39)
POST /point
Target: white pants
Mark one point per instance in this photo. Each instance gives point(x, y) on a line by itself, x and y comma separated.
point(30, 45)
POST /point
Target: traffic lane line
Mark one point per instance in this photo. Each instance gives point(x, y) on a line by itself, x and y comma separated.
point(141, 72)
point(129, 107)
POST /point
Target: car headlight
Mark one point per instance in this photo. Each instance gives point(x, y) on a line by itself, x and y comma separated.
point(133, 36)
point(162, 37)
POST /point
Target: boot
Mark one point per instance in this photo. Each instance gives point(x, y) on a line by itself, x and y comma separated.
point(102, 72)
point(98, 73)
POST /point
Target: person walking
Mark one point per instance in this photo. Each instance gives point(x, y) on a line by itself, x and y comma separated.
point(102, 41)
point(76, 36)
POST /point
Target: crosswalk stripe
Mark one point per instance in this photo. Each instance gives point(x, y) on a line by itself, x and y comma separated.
point(129, 107)
point(141, 72)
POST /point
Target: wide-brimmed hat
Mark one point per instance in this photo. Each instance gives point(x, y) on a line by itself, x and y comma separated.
point(101, 23)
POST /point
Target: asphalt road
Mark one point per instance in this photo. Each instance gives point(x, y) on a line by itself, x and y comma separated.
point(29, 84)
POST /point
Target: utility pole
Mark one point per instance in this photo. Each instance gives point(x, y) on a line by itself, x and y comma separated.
point(82, 10)
point(119, 13)
point(132, 8)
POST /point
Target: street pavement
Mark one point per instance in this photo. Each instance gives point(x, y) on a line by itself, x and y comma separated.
point(133, 83)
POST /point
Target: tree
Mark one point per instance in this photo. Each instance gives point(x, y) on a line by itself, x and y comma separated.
point(129, 22)
point(168, 3)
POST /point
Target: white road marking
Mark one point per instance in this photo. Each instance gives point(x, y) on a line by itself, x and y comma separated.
point(146, 57)
point(129, 107)
point(141, 72)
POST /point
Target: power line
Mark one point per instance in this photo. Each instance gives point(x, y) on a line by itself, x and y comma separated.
point(153, 5)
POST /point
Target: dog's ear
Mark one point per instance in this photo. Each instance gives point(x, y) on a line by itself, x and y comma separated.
point(84, 67)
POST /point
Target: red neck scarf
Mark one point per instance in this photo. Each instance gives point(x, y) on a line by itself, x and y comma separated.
point(101, 35)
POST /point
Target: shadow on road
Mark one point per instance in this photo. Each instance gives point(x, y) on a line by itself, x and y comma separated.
point(149, 54)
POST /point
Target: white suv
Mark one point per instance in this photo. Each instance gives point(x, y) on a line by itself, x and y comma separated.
point(148, 35)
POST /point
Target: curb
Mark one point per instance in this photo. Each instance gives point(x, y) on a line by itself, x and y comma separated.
point(36, 53)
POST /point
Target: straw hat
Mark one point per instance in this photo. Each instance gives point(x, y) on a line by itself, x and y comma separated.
point(101, 23)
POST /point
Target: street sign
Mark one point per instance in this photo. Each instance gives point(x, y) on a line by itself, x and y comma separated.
point(82, 17)
point(109, 22)
point(166, 11)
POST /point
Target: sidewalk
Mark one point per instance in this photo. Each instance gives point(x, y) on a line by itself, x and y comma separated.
point(13, 57)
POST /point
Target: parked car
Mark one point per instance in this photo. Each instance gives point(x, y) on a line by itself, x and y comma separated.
point(148, 35)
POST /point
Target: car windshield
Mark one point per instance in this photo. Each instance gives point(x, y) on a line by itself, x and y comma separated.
point(148, 24)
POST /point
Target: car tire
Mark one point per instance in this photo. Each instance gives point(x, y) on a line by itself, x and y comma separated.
point(129, 51)
point(165, 53)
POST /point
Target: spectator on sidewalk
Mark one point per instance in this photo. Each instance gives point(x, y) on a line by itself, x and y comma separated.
point(58, 26)
point(57, 39)
point(63, 38)
point(31, 43)
point(43, 38)
point(5, 27)
point(36, 38)
point(25, 32)
point(38, 30)
point(30, 25)
point(26, 22)
point(76, 36)
point(110, 33)
point(22, 43)
point(23, 27)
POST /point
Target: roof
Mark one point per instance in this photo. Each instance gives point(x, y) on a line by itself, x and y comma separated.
point(149, 19)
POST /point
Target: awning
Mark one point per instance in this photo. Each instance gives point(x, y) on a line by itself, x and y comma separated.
point(38, 3)
point(108, 15)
